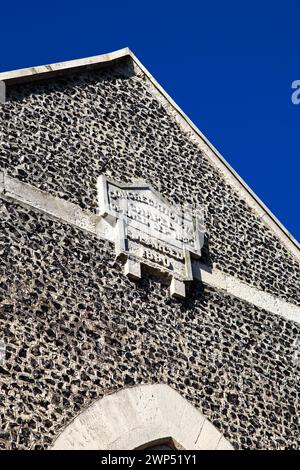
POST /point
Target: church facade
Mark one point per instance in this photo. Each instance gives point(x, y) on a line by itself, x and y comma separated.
point(148, 298)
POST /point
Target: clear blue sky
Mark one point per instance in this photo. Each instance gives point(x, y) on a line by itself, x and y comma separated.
point(228, 64)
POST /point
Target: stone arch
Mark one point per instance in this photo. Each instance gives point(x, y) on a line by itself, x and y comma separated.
point(134, 417)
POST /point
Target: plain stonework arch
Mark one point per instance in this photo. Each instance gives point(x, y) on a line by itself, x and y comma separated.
point(138, 417)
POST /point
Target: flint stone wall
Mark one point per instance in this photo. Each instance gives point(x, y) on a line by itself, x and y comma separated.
point(60, 134)
point(76, 329)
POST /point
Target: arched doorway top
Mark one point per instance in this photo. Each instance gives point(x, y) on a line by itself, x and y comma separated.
point(134, 416)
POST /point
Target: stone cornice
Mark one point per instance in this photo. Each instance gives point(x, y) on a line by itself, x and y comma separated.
point(60, 68)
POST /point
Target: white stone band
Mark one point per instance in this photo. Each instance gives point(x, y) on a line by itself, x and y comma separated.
point(243, 291)
point(57, 208)
point(67, 212)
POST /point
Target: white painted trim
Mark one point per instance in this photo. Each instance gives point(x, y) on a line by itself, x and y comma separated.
point(67, 212)
point(43, 71)
point(239, 289)
point(133, 417)
point(54, 207)
point(33, 73)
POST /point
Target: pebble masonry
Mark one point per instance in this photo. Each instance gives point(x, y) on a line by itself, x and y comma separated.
point(75, 327)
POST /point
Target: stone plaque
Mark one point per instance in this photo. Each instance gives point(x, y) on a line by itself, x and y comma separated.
point(150, 231)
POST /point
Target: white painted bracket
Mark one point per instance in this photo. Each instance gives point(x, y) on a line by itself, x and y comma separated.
point(132, 269)
point(177, 288)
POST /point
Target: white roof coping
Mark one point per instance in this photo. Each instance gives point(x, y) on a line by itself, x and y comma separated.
point(41, 71)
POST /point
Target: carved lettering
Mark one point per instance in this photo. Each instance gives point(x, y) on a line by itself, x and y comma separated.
point(151, 231)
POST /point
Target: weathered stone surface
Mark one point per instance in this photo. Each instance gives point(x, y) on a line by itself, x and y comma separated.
point(76, 329)
point(151, 231)
point(141, 414)
point(61, 134)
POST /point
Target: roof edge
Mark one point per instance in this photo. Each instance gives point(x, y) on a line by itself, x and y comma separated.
point(44, 71)
point(265, 213)
point(31, 73)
